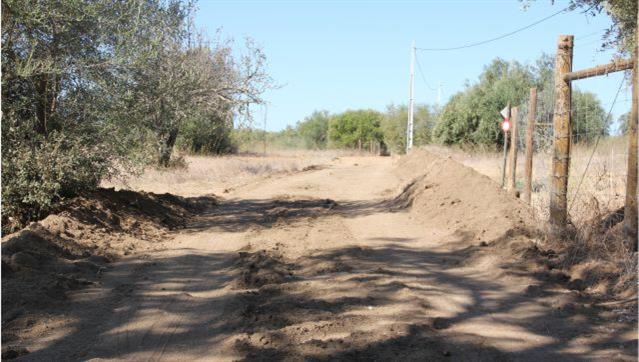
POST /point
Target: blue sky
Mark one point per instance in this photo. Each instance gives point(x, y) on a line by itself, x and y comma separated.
point(339, 55)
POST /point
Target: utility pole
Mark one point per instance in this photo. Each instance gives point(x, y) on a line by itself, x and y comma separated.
point(411, 100)
point(439, 94)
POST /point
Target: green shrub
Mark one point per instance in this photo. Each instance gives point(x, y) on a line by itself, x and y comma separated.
point(352, 129)
point(314, 130)
point(36, 174)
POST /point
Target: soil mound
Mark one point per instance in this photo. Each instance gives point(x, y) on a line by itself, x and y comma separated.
point(71, 248)
point(450, 195)
point(263, 267)
point(491, 227)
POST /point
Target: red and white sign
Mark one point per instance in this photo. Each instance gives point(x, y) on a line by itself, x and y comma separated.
point(505, 125)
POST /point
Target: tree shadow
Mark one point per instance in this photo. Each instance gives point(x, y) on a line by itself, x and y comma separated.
point(236, 215)
point(544, 309)
point(188, 304)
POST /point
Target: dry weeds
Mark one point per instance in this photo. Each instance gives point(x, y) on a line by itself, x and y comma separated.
point(204, 175)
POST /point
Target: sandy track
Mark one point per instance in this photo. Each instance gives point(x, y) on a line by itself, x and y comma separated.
point(333, 263)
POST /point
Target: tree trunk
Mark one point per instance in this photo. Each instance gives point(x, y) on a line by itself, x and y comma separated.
point(42, 105)
point(165, 147)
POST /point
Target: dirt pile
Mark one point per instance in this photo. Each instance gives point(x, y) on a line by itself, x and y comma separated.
point(71, 248)
point(262, 268)
point(491, 223)
point(449, 195)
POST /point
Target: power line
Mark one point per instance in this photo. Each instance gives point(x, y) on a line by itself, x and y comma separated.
point(585, 36)
point(470, 45)
point(421, 72)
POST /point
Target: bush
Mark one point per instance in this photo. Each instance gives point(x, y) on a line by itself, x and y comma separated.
point(314, 130)
point(353, 129)
point(471, 115)
point(393, 126)
point(37, 174)
point(207, 135)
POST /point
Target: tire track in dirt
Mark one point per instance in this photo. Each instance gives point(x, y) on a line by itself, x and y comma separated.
point(402, 266)
point(416, 288)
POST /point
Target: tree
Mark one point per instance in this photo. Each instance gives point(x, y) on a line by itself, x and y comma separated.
point(393, 126)
point(62, 127)
point(623, 123)
point(208, 134)
point(178, 82)
point(623, 13)
point(314, 130)
point(590, 120)
point(470, 116)
point(88, 85)
point(353, 129)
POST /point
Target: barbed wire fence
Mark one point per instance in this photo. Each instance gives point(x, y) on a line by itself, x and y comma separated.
point(598, 161)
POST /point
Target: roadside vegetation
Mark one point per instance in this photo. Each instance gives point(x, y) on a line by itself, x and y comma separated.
point(93, 89)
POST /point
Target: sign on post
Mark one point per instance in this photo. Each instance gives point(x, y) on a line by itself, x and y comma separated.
point(505, 125)
point(505, 112)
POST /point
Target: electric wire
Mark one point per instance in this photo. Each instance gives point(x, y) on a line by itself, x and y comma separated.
point(589, 35)
point(470, 45)
point(421, 72)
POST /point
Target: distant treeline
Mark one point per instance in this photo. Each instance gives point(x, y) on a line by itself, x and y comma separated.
point(363, 129)
point(469, 118)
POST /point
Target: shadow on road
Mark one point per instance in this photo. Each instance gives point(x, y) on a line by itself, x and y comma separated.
point(350, 303)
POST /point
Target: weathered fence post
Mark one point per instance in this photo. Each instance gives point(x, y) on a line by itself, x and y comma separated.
point(630, 211)
point(530, 130)
point(512, 157)
point(561, 134)
point(503, 169)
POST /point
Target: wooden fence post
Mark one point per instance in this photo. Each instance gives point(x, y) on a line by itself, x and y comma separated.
point(512, 157)
point(530, 130)
point(630, 211)
point(503, 169)
point(561, 134)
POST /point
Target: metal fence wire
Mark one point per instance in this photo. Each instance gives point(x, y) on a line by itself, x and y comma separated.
point(597, 176)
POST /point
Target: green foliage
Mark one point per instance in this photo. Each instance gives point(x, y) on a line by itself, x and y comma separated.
point(589, 118)
point(471, 115)
point(210, 135)
point(63, 120)
point(37, 170)
point(255, 140)
point(314, 130)
point(623, 123)
point(353, 129)
point(393, 126)
point(93, 88)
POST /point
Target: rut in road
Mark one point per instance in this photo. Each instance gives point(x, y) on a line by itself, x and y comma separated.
point(367, 258)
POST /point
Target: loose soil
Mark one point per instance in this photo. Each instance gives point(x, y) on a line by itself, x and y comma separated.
point(361, 258)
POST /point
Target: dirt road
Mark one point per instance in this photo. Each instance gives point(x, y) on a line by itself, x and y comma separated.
point(361, 258)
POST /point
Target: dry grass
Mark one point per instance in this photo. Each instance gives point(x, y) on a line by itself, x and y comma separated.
point(595, 254)
point(604, 179)
point(203, 175)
